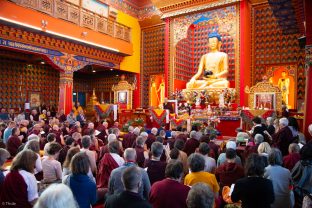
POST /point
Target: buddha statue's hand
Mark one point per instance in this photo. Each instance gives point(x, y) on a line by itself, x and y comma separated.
point(192, 80)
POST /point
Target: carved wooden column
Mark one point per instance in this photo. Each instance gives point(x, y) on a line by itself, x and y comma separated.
point(66, 92)
point(308, 90)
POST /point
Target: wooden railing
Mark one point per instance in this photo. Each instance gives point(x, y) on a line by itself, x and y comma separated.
point(78, 15)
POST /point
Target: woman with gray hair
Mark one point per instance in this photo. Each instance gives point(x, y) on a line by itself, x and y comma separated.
point(35, 147)
point(54, 197)
point(280, 178)
point(200, 196)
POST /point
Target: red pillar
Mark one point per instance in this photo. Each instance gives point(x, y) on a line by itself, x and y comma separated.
point(136, 92)
point(66, 92)
point(167, 55)
point(308, 90)
point(245, 51)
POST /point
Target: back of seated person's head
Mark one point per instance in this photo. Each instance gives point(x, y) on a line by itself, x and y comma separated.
point(144, 134)
point(80, 163)
point(113, 147)
point(174, 154)
point(162, 133)
point(204, 148)
point(306, 151)
point(179, 144)
point(256, 120)
point(54, 148)
point(193, 134)
point(33, 137)
point(4, 155)
point(15, 131)
point(11, 124)
point(69, 140)
point(231, 144)
point(116, 131)
point(196, 162)
point(130, 155)
point(136, 131)
point(33, 145)
point(174, 169)
point(51, 137)
point(204, 138)
point(275, 157)
point(140, 141)
point(54, 197)
point(230, 154)
point(258, 139)
point(159, 139)
point(241, 136)
point(111, 137)
point(293, 148)
point(174, 134)
point(131, 178)
point(86, 141)
point(264, 147)
point(24, 160)
point(157, 149)
point(154, 131)
point(283, 122)
point(212, 137)
point(70, 153)
point(76, 136)
point(200, 196)
point(254, 165)
point(130, 129)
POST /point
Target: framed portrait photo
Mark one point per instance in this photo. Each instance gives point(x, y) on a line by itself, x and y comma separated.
point(264, 101)
point(34, 99)
point(123, 97)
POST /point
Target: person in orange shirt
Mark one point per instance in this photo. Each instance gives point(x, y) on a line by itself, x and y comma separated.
point(196, 164)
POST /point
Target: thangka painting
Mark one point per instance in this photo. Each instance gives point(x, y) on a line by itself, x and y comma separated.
point(190, 40)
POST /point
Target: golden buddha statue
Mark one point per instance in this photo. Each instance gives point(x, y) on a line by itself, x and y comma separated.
point(213, 65)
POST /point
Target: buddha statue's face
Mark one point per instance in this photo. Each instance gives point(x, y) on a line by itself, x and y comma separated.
point(283, 74)
point(213, 43)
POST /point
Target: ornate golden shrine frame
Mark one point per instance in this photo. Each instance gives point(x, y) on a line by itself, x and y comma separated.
point(172, 54)
point(123, 88)
point(265, 88)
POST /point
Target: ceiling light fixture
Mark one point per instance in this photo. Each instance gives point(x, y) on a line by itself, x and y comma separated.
point(93, 71)
point(42, 62)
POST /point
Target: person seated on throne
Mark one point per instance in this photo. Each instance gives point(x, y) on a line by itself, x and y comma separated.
point(213, 66)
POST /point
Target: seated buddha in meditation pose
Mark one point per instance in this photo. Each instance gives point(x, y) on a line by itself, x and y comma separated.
point(213, 66)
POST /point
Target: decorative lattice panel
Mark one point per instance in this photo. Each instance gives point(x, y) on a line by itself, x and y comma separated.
point(152, 57)
point(272, 47)
point(18, 79)
point(191, 49)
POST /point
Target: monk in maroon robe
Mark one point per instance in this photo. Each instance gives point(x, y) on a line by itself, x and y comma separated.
point(106, 166)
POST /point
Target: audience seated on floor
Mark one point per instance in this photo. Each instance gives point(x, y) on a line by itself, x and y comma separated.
point(169, 171)
point(170, 192)
point(115, 185)
point(130, 197)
